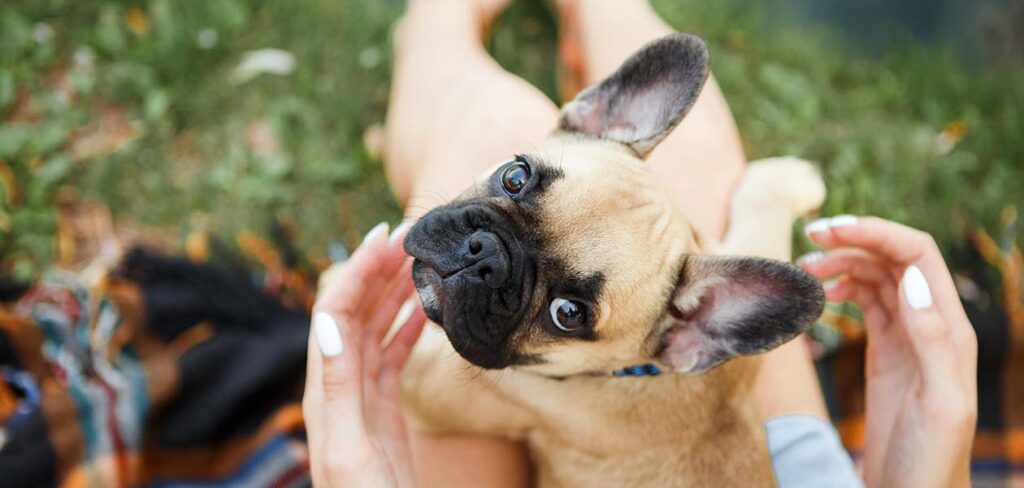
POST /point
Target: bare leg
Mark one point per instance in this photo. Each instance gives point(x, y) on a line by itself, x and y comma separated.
point(703, 160)
point(453, 114)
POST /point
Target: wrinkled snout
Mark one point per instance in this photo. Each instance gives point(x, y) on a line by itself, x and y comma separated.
point(473, 277)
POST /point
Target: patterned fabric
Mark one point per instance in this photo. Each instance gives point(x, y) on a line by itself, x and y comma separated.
point(998, 319)
point(170, 373)
point(165, 373)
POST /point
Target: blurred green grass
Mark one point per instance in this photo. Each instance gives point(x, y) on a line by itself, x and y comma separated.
point(182, 145)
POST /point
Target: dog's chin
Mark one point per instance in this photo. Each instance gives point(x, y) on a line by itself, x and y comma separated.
point(447, 303)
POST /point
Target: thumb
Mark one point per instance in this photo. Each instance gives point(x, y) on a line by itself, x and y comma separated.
point(926, 330)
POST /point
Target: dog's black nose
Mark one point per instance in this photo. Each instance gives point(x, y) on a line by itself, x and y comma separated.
point(486, 258)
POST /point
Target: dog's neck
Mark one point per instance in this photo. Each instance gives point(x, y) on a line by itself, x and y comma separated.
point(670, 416)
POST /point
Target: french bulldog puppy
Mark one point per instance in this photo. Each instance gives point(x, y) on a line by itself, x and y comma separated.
point(583, 314)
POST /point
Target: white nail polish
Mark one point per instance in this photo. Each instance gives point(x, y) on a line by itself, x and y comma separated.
point(810, 258)
point(815, 226)
point(399, 232)
point(327, 335)
point(842, 221)
point(830, 285)
point(381, 228)
point(915, 288)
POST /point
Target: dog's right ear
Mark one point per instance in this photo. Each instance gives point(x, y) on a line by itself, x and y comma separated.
point(642, 102)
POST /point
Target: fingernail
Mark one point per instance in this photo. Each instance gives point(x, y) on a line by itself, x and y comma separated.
point(399, 232)
point(815, 226)
point(327, 335)
point(381, 228)
point(810, 258)
point(915, 288)
point(830, 285)
point(842, 221)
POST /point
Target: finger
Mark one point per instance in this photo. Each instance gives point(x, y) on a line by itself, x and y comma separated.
point(895, 242)
point(860, 264)
point(395, 240)
point(383, 316)
point(347, 288)
point(865, 296)
point(335, 380)
point(904, 246)
point(401, 345)
point(369, 268)
point(393, 359)
point(312, 395)
point(927, 332)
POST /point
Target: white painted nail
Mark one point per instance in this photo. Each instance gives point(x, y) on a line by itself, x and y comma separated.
point(327, 336)
point(381, 228)
point(842, 221)
point(810, 258)
point(399, 232)
point(830, 285)
point(815, 226)
point(915, 288)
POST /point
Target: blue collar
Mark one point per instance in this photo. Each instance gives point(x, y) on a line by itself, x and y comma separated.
point(638, 370)
point(635, 370)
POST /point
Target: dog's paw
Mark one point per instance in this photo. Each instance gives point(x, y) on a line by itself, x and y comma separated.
point(790, 182)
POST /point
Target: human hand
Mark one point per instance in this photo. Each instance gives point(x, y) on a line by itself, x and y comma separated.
point(354, 423)
point(921, 349)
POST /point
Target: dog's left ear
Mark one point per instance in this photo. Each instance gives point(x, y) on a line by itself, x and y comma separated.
point(642, 102)
point(727, 307)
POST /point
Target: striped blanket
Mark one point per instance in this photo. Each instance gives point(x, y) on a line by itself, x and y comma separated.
point(170, 373)
point(164, 373)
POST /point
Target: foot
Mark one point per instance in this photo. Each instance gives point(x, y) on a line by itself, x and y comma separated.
point(790, 182)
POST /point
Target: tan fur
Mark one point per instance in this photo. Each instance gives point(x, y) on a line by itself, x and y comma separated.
point(611, 215)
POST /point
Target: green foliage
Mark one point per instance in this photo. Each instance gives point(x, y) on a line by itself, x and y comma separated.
point(203, 148)
point(874, 124)
point(199, 147)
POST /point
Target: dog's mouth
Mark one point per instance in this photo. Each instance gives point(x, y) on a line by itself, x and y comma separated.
point(449, 294)
point(478, 322)
point(430, 287)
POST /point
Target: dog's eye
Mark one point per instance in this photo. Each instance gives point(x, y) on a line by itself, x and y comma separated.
point(568, 316)
point(515, 177)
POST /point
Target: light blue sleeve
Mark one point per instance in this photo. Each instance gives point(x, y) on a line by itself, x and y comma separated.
point(806, 453)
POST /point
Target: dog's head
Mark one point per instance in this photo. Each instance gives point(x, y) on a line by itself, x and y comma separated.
point(572, 259)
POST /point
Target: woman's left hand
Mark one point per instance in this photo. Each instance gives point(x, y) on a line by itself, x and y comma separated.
point(922, 354)
point(354, 422)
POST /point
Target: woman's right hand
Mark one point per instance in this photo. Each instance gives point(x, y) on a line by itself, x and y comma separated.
point(354, 421)
point(921, 351)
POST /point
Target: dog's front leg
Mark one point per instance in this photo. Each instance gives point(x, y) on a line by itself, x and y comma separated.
point(771, 196)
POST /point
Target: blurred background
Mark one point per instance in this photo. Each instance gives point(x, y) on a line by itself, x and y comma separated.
point(225, 116)
point(235, 132)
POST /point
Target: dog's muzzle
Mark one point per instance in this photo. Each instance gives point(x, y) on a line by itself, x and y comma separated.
point(473, 278)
